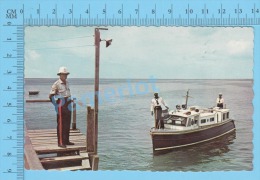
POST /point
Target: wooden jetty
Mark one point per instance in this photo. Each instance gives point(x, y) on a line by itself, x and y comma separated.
point(41, 151)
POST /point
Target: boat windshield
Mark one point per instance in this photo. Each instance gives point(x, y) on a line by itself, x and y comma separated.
point(177, 121)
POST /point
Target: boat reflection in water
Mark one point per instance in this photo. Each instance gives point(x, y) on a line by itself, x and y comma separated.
point(196, 157)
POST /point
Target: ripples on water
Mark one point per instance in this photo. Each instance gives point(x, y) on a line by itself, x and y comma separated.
point(125, 121)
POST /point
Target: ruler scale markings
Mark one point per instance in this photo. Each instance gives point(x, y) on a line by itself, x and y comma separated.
point(35, 17)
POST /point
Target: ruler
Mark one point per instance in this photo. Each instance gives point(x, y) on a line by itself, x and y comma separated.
point(15, 16)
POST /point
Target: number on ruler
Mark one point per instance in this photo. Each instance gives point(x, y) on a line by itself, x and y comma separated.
point(119, 11)
point(136, 11)
point(222, 11)
point(8, 120)
point(70, 11)
point(8, 154)
point(169, 11)
point(9, 170)
point(189, 11)
point(104, 11)
point(205, 11)
point(255, 10)
point(38, 11)
point(87, 11)
point(153, 11)
point(238, 11)
point(8, 55)
point(8, 72)
point(53, 11)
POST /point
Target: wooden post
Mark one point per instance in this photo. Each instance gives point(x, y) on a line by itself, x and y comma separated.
point(155, 115)
point(97, 55)
point(97, 52)
point(74, 125)
point(90, 130)
point(95, 161)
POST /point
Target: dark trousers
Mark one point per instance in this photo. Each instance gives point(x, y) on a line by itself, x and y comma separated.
point(158, 117)
point(63, 121)
point(220, 105)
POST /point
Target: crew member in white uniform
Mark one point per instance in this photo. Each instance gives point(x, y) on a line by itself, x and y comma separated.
point(220, 101)
point(61, 98)
point(156, 110)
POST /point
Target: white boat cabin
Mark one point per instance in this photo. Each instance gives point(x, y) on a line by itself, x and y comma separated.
point(195, 117)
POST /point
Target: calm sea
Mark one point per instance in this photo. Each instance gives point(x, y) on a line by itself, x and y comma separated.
point(125, 121)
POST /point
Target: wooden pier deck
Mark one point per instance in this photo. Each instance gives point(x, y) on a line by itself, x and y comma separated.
point(52, 157)
point(41, 151)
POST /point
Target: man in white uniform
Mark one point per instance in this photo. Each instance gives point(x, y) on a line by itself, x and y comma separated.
point(61, 98)
point(156, 110)
point(220, 101)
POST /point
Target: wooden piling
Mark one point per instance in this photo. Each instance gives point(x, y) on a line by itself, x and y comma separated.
point(90, 130)
point(95, 161)
point(74, 125)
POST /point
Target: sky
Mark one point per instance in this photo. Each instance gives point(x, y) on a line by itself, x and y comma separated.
point(141, 52)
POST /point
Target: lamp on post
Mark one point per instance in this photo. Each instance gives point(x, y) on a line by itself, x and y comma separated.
point(97, 55)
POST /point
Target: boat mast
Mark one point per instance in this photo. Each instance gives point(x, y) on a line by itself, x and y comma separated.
point(187, 96)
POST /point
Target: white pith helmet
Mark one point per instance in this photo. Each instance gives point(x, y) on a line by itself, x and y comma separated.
point(63, 70)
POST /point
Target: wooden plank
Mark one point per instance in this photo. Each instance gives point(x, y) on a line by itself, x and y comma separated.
point(48, 130)
point(56, 149)
point(32, 159)
point(37, 100)
point(46, 141)
point(36, 145)
point(62, 158)
point(74, 168)
point(55, 146)
point(55, 140)
point(54, 137)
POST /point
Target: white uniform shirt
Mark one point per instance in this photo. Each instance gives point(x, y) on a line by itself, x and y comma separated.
point(160, 103)
point(60, 88)
point(220, 100)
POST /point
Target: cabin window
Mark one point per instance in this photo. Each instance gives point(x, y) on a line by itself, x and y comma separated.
point(227, 115)
point(207, 120)
point(212, 119)
point(192, 122)
point(203, 121)
point(177, 121)
point(189, 122)
point(224, 116)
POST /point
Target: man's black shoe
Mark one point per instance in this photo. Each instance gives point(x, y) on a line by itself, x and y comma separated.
point(62, 145)
point(70, 143)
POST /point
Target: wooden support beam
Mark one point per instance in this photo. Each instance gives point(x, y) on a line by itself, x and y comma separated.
point(90, 130)
point(31, 158)
point(95, 161)
point(74, 125)
point(37, 100)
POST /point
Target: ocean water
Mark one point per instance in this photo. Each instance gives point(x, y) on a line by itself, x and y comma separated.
point(125, 121)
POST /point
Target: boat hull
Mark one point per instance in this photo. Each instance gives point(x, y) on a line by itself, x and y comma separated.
point(166, 139)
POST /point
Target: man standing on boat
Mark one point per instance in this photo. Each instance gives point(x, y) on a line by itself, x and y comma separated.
point(220, 101)
point(156, 110)
point(61, 98)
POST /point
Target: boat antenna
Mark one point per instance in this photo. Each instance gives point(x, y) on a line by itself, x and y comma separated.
point(187, 97)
